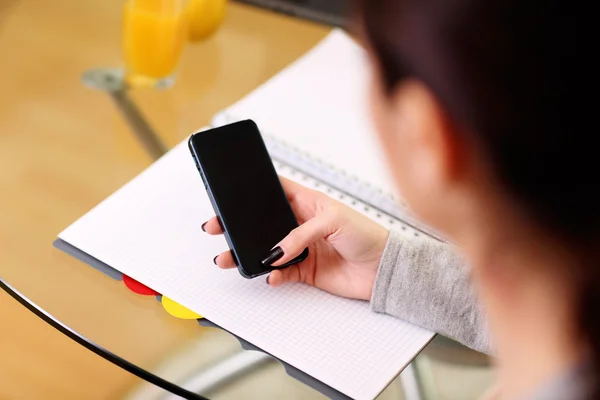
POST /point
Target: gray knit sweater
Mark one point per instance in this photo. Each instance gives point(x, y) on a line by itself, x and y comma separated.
point(427, 283)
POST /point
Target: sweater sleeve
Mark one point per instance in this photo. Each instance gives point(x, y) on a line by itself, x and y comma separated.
point(426, 283)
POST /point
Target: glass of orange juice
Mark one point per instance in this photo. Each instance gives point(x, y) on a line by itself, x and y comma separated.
point(154, 34)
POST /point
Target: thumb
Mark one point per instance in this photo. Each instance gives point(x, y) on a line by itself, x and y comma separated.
point(300, 238)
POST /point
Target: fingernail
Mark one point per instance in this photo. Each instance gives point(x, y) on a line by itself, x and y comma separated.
point(202, 227)
point(273, 256)
point(268, 277)
point(215, 259)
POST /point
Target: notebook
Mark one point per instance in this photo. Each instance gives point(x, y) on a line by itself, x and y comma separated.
point(318, 134)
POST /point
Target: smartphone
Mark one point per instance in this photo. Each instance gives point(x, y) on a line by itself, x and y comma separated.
point(245, 192)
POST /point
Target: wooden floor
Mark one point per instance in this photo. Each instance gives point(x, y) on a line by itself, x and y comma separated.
point(63, 148)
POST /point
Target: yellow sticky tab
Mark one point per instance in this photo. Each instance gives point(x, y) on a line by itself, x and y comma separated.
point(177, 310)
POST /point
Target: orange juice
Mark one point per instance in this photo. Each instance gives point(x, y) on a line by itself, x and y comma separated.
point(154, 34)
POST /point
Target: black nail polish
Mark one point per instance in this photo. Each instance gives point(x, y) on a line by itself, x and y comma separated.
point(202, 227)
point(273, 256)
point(215, 259)
point(268, 276)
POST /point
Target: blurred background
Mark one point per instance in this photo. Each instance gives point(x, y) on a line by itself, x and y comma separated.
point(71, 71)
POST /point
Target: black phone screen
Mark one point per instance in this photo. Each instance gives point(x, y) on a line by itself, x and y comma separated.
point(245, 191)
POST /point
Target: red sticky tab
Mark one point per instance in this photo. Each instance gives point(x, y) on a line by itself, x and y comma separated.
point(137, 287)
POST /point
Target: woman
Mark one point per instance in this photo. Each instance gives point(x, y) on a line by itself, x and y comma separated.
point(475, 107)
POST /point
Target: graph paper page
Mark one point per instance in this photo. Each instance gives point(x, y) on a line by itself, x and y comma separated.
point(150, 230)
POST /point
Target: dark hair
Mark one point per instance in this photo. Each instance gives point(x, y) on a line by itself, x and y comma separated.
point(508, 73)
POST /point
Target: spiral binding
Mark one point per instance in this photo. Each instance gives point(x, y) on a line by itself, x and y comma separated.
point(319, 175)
point(389, 221)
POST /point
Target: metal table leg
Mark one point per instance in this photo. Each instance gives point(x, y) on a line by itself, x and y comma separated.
point(411, 384)
point(112, 82)
point(234, 367)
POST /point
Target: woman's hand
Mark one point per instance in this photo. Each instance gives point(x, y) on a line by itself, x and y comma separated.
point(344, 246)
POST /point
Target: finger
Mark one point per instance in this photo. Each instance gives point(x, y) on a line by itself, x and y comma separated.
point(304, 201)
point(300, 238)
point(291, 188)
point(224, 260)
point(212, 226)
point(287, 275)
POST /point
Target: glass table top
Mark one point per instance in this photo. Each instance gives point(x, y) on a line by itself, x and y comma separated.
point(65, 147)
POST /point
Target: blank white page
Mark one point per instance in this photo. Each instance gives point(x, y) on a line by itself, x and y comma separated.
point(319, 105)
point(150, 230)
